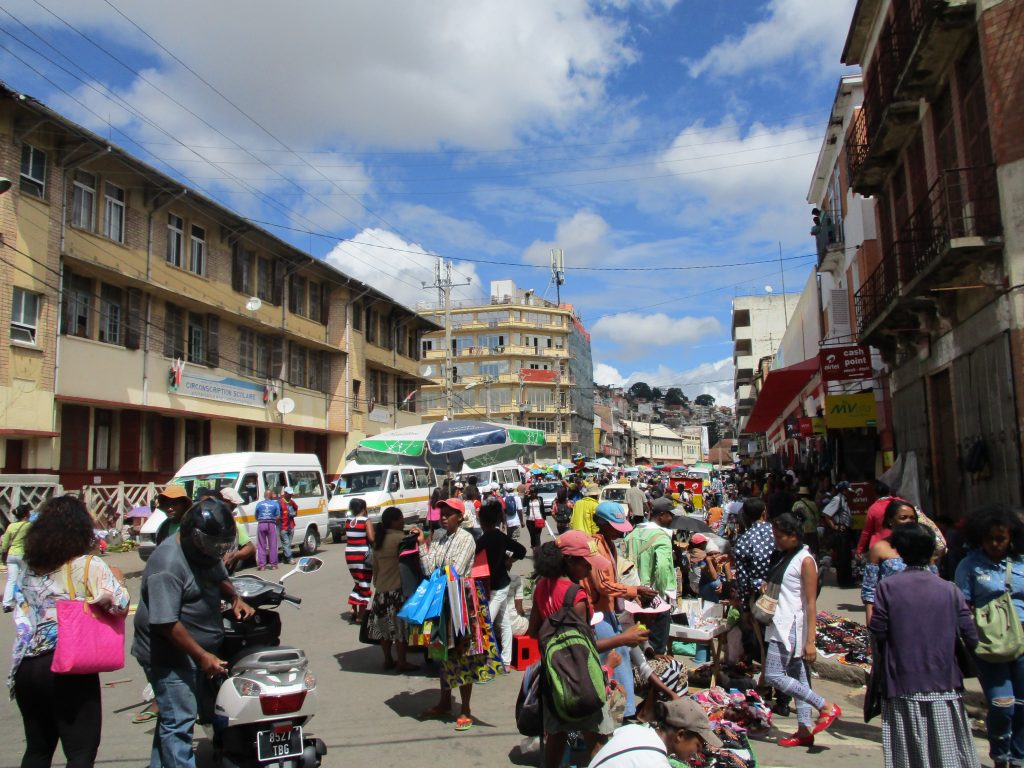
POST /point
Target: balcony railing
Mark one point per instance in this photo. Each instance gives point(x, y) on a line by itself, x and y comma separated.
point(857, 144)
point(961, 210)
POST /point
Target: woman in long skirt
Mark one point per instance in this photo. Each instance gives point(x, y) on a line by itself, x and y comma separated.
point(915, 623)
point(383, 623)
point(358, 540)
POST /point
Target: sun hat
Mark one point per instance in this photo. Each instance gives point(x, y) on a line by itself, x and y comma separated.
point(454, 504)
point(232, 496)
point(578, 544)
point(611, 512)
point(173, 491)
point(688, 715)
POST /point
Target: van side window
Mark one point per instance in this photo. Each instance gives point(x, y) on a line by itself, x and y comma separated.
point(408, 479)
point(431, 480)
point(305, 483)
point(422, 478)
point(393, 484)
point(249, 488)
point(274, 481)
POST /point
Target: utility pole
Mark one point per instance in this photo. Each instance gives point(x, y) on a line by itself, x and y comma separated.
point(443, 283)
point(558, 415)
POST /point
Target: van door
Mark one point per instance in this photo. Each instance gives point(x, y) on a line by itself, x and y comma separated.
point(409, 492)
point(311, 522)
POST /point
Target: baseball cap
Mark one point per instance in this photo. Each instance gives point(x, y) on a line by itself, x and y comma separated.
point(174, 492)
point(663, 504)
point(687, 714)
point(698, 538)
point(288, 490)
point(803, 490)
point(578, 544)
point(455, 504)
point(486, 488)
point(231, 495)
point(842, 486)
point(611, 512)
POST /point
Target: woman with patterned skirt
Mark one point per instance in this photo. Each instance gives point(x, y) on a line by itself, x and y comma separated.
point(358, 540)
point(465, 664)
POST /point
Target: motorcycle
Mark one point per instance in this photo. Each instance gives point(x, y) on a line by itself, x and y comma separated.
point(269, 695)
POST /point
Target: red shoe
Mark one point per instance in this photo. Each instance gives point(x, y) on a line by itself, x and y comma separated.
point(796, 741)
point(826, 719)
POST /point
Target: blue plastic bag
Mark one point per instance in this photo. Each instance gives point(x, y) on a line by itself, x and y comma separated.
point(426, 602)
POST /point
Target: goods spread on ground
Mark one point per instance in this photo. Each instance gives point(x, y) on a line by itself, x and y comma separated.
point(843, 639)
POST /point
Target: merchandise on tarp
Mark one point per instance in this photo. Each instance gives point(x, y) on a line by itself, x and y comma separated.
point(733, 715)
point(845, 640)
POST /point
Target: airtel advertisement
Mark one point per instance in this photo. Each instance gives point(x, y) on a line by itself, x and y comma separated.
point(847, 363)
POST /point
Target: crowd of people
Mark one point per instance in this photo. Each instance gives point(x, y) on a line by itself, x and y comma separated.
point(941, 602)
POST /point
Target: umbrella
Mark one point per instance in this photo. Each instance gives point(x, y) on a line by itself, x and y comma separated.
point(691, 524)
point(604, 460)
point(143, 511)
point(450, 444)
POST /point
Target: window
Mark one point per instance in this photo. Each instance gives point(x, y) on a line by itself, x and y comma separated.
point(33, 171)
point(426, 345)
point(83, 201)
point(275, 480)
point(249, 488)
point(197, 251)
point(77, 305)
point(408, 479)
point(297, 295)
point(371, 326)
point(175, 239)
point(253, 353)
point(102, 420)
point(174, 338)
point(113, 212)
point(243, 441)
point(110, 314)
point(315, 372)
point(24, 316)
point(393, 484)
point(261, 439)
point(305, 483)
point(314, 302)
point(297, 365)
point(196, 338)
point(357, 316)
point(264, 279)
point(422, 478)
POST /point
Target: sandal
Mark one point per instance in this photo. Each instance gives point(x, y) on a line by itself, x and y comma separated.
point(144, 716)
point(463, 723)
point(825, 719)
point(435, 713)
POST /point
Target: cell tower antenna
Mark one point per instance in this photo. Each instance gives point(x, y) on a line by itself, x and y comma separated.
point(558, 272)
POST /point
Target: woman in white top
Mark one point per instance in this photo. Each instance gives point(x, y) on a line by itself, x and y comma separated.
point(790, 635)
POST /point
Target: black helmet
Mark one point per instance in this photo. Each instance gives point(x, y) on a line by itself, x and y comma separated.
point(209, 527)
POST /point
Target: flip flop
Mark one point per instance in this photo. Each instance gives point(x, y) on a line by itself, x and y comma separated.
point(144, 716)
point(463, 723)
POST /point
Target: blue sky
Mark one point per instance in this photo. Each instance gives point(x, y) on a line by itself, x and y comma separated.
point(642, 137)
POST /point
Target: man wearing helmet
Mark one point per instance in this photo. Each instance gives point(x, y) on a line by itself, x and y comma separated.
point(178, 628)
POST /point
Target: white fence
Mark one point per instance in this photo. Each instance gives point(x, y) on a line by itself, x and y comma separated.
point(26, 489)
point(113, 500)
point(117, 499)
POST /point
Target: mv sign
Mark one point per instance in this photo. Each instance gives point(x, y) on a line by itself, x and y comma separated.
point(847, 363)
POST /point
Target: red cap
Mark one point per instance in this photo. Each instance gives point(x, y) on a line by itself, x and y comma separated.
point(578, 544)
point(453, 503)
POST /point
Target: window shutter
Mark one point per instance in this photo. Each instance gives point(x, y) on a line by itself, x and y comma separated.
point(237, 254)
point(172, 330)
point(839, 309)
point(325, 298)
point(277, 358)
point(133, 332)
point(278, 285)
point(213, 341)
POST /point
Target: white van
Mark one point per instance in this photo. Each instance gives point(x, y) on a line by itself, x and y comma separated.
point(502, 474)
point(251, 474)
point(406, 486)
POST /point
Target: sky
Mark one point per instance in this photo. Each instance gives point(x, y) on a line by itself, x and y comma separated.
point(665, 146)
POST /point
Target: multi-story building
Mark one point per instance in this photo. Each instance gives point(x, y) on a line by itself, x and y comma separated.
point(144, 324)
point(939, 143)
point(658, 444)
point(517, 358)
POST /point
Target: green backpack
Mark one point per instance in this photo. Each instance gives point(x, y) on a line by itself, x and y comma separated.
point(1000, 637)
point(573, 678)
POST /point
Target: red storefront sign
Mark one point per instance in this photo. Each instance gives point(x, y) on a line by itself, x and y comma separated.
point(534, 374)
point(862, 496)
point(846, 363)
point(806, 427)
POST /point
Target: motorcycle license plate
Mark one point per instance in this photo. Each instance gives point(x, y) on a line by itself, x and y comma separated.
point(271, 745)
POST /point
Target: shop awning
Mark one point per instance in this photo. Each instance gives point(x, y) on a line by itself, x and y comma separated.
point(780, 387)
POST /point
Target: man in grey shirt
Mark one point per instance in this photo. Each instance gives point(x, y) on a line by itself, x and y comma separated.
point(636, 501)
point(178, 626)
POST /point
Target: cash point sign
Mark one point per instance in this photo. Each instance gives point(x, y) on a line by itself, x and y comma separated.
point(847, 363)
point(845, 411)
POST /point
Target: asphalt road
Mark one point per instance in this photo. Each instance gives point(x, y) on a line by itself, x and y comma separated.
point(367, 714)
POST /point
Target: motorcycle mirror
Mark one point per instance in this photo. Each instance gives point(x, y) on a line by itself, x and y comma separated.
point(304, 565)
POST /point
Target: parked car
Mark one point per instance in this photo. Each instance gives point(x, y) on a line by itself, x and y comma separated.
point(616, 492)
point(547, 491)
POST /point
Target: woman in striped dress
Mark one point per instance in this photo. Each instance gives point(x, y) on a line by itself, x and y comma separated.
point(358, 540)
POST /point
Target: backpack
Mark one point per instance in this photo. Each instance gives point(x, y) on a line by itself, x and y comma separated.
point(563, 512)
point(511, 509)
point(573, 678)
point(529, 718)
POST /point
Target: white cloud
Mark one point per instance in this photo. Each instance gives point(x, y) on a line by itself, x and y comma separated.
point(583, 238)
point(389, 268)
point(714, 378)
point(808, 30)
point(657, 330)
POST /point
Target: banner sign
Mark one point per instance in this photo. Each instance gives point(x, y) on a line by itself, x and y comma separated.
point(845, 411)
point(806, 426)
point(846, 363)
point(537, 374)
point(222, 389)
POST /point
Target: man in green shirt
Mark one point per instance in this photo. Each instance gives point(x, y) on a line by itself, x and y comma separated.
point(649, 546)
point(12, 548)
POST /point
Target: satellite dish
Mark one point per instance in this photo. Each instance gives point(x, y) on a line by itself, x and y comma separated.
point(285, 405)
point(428, 371)
point(253, 304)
point(768, 289)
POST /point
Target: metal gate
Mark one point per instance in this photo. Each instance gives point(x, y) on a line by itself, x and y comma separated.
point(985, 409)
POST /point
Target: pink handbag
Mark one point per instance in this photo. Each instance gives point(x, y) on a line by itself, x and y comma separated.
point(89, 639)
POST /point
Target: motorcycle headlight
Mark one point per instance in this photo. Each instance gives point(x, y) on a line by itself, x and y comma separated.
point(246, 687)
point(309, 681)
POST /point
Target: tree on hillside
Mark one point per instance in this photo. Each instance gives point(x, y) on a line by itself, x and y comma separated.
point(704, 400)
point(641, 390)
point(675, 396)
point(656, 394)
